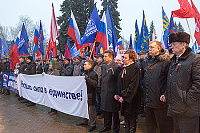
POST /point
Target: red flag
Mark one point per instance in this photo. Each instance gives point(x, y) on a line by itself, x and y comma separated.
point(38, 55)
point(48, 53)
point(185, 11)
point(93, 49)
point(67, 52)
point(54, 33)
point(13, 55)
point(197, 22)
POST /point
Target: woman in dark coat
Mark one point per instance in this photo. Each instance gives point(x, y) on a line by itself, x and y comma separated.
point(129, 83)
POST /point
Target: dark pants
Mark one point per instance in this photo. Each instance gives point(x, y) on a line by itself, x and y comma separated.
point(108, 117)
point(98, 101)
point(130, 123)
point(157, 118)
point(186, 124)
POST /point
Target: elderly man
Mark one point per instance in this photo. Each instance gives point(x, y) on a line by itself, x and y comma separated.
point(155, 68)
point(183, 85)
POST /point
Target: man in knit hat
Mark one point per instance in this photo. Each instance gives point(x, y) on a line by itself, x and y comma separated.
point(183, 85)
point(78, 67)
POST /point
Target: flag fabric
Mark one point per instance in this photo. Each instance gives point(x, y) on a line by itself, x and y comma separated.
point(92, 27)
point(166, 24)
point(0, 47)
point(53, 33)
point(101, 48)
point(5, 47)
point(93, 49)
point(131, 43)
point(162, 42)
point(102, 33)
point(185, 11)
point(36, 35)
point(197, 28)
point(74, 52)
point(171, 26)
point(36, 53)
point(73, 31)
point(22, 42)
point(195, 47)
point(137, 41)
point(48, 51)
point(119, 43)
point(144, 33)
point(41, 39)
point(13, 55)
point(112, 36)
point(67, 50)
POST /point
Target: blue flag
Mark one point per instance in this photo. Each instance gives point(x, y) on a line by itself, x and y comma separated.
point(171, 26)
point(144, 33)
point(41, 39)
point(131, 43)
point(74, 51)
point(0, 47)
point(165, 29)
point(23, 42)
point(5, 47)
point(112, 36)
point(137, 41)
point(92, 27)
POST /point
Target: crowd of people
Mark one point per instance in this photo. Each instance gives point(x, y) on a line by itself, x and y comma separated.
point(162, 84)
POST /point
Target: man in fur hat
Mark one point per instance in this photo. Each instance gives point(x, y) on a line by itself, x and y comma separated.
point(183, 85)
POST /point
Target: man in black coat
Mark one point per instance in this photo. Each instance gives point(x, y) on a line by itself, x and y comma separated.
point(22, 66)
point(91, 82)
point(68, 68)
point(183, 85)
point(30, 70)
point(46, 66)
point(155, 68)
point(40, 67)
point(98, 70)
point(109, 88)
point(129, 84)
point(5, 67)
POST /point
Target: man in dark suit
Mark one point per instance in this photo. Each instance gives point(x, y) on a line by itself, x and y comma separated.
point(109, 88)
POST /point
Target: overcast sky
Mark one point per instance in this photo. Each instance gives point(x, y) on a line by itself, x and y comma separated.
point(130, 10)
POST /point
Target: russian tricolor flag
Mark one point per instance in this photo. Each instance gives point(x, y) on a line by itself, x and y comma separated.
point(102, 33)
point(36, 35)
point(73, 31)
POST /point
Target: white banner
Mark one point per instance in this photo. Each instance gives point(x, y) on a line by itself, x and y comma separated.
point(67, 94)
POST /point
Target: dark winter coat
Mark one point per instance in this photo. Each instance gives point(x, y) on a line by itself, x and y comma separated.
point(68, 70)
point(91, 82)
point(183, 86)
point(31, 68)
point(39, 69)
point(155, 79)
point(23, 66)
point(55, 68)
point(78, 69)
point(98, 70)
point(46, 68)
point(129, 84)
point(5, 67)
point(109, 87)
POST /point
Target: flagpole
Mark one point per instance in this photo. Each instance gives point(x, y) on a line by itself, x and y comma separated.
point(191, 35)
point(92, 49)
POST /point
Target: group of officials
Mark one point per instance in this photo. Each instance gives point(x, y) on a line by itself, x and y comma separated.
point(167, 86)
